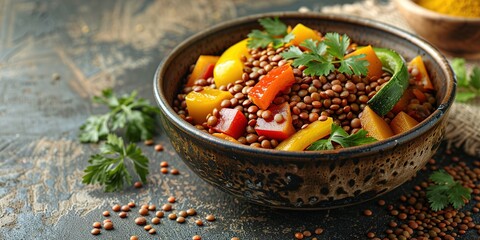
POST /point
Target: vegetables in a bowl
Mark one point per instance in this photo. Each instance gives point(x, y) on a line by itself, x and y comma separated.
point(282, 82)
point(306, 179)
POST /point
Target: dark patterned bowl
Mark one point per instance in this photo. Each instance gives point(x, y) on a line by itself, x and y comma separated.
point(304, 180)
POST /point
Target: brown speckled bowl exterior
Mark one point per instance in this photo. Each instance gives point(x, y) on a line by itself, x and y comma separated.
point(304, 180)
point(459, 36)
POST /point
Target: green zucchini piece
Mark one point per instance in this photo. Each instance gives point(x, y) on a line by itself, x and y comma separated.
point(392, 91)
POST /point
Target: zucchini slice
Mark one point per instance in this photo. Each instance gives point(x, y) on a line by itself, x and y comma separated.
point(392, 91)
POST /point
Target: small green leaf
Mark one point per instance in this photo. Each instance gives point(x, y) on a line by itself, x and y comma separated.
point(465, 96)
point(337, 46)
point(475, 78)
point(273, 26)
point(293, 52)
point(458, 65)
point(340, 136)
point(445, 190)
point(109, 167)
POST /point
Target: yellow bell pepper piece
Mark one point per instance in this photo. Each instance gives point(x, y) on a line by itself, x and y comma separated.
point(302, 33)
point(229, 67)
point(200, 104)
point(305, 137)
point(226, 137)
point(203, 68)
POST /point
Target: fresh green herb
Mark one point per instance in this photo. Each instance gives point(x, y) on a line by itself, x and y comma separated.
point(468, 87)
point(340, 136)
point(275, 33)
point(136, 116)
point(446, 191)
point(110, 167)
point(321, 57)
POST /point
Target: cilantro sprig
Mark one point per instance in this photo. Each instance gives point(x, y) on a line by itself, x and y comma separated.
point(275, 33)
point(340, 136)
point(135, 116)
point(321, 57)
point(110, 166)
point(468, 86)
point(445, 191)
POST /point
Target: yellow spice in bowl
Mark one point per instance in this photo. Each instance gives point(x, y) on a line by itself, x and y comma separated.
point(458, 8)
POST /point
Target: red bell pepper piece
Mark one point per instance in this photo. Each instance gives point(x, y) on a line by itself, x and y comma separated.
point(263, 93)
point(231, 122)
point(276, 130)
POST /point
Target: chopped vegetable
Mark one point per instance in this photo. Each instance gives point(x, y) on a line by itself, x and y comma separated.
point(374, 66)
point(135, 116)
point(275, 33)
point(302, 33)
point(278, 79)
point(231, 122)
point(422, 78)
point(402, 122)
point(303, 138)
point(340, 136)
point(200, 104)
point(468, 88)
point(402, 104)
point(375, 125)
point(280, 128)
point(203, 68)
point(229, 67)
point(110, 168)
point(321, 57)
point(226, 137)
point(384, 100)
point(445, 191)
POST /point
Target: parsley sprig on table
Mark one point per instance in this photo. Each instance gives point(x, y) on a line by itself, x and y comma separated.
point(110, 166)
point(321, 57)
point(468, 86)
point(340, 136)
point(445, 191)
point(275, 33)
point(134, 115)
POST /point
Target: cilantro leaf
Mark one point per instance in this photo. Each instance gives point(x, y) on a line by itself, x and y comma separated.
point(275, 33)
point(337, 46)
point(340, 136)
point(321, 57)
point(134, 115)
point(110, 166)
point(445, 190)
point(273, 26)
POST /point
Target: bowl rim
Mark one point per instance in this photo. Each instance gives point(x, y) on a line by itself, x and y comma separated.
point(412, 6)
point(304, 156)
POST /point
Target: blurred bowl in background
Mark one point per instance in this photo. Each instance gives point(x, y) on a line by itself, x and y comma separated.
point(456, 36)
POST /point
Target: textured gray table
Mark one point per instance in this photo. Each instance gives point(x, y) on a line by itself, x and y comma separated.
point(92, 45)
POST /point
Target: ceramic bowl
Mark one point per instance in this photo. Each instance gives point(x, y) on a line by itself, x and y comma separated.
point(457, 36)
point(304, 180)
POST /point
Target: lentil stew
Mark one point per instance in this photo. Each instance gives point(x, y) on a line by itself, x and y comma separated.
point(229, 101)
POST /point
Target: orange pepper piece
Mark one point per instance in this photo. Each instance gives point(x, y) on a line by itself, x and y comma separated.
point(203, 69)
point(375, 65)
point(422, 77)
point(302, 33)
point(402, 123)
point(263, 93)
point(375, 125)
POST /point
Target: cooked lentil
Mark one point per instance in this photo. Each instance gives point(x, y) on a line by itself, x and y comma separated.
point(122, 215)
point(155, 220)
point(196, 237)
point(164, 164)
point(174, 171)
point(134, 238)
point(106, 213)
point(140, 221)
point(131, 204)
point(171, 199)
point(159, 147)
point(152, 207)
point(210, 218)
point(143, 211)
point(159, 214)
point(108, 226)
point(167, 207)
point(152, 231)
point(125, 208)
point(199, 222)
point(181, 219)
point(138, 184)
